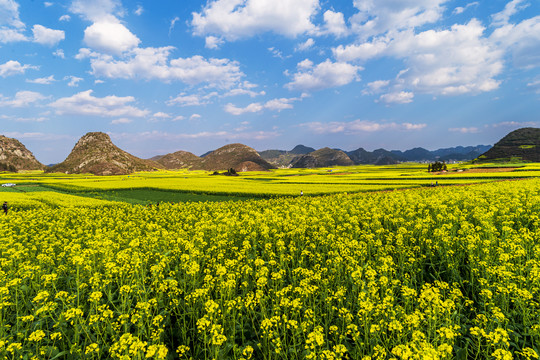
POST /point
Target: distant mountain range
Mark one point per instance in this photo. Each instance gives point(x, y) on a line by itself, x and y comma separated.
point(302, 156)
point(95, 153)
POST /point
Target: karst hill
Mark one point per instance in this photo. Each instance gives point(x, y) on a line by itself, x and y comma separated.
point(14, 156)
point(521, 145)
point(237, 156)
point(96, 154)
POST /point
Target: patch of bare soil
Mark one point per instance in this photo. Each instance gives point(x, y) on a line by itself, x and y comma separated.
point(490, 170)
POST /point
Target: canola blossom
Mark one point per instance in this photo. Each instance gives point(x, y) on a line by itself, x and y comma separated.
point(431, 273)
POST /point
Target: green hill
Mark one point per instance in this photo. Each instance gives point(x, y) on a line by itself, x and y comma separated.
point(519, 145)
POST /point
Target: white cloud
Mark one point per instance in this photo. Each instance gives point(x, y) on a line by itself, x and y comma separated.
point(465, 130)
point(334, 24)
point(161, 115)
point(184, 99)
point(358, 126)
point(460, 9)
point(154, 63)
point(30, 120)
point(178, 118)
point(511, 8)
point(521, 40)
point(9, 14)
point(106, 34)
point(59, 53)
point(38, 136)
point(195, 117)
point(212, 42)
point(12, 67)
point(272, 105)
point(121, 121)
point(65, 17)
point(11, 35)
point(534, 85)
point(84, 103)
point(139, 10)
point(22, 99)
point(11, 27)
point(43, 81)
point(363, 51)
point(447, 62)
point(242, 91)
point(308, 44)
point(376, 87)
point(235, 19)
point(160, 135)
point(515, 124)
point(97, 10)
point(325, 75)
point(47, 4)
point(173, 23)
point(73, 80)
point(45, 36)
point(402, 97)
point(110, 38)
point(377, 17)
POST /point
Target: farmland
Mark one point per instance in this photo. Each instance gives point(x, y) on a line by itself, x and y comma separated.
point(350, 270)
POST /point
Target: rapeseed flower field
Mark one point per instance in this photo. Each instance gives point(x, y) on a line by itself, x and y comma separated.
point(428, 273)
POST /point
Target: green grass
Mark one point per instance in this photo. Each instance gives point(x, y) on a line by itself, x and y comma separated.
point(153, 196)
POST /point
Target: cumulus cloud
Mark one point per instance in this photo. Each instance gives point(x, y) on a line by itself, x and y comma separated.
point(73, 80)
point(84, 103)
point(402, 97)
point(154, 63)
point(59, 53)
point(184, 99)
point(377, 17)
point(43, 81)
point(521, 40)
point(107, 34)
point(334, 24)
point(97, 10)
point(325, 75)
point(376, 87)
point(11, 27)
point(235, 19)
point(212, 42)
point(455, 61)
point(21, 99)
point(161, 115)
point(358, 126)
point(272, 105)
point(45, 36)
point(110, 38)
point(12, 67)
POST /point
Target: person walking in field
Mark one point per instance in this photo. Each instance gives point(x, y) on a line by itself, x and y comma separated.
point(5, 207)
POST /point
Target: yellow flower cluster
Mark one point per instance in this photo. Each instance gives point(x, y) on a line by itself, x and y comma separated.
point(433, 273)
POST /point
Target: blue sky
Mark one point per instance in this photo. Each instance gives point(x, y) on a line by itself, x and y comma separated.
point(168, 75)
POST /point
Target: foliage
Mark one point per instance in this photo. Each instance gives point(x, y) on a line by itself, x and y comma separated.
point(447, 272)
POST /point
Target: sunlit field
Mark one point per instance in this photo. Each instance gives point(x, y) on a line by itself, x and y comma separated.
point(350, 270)
point(180, 186)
